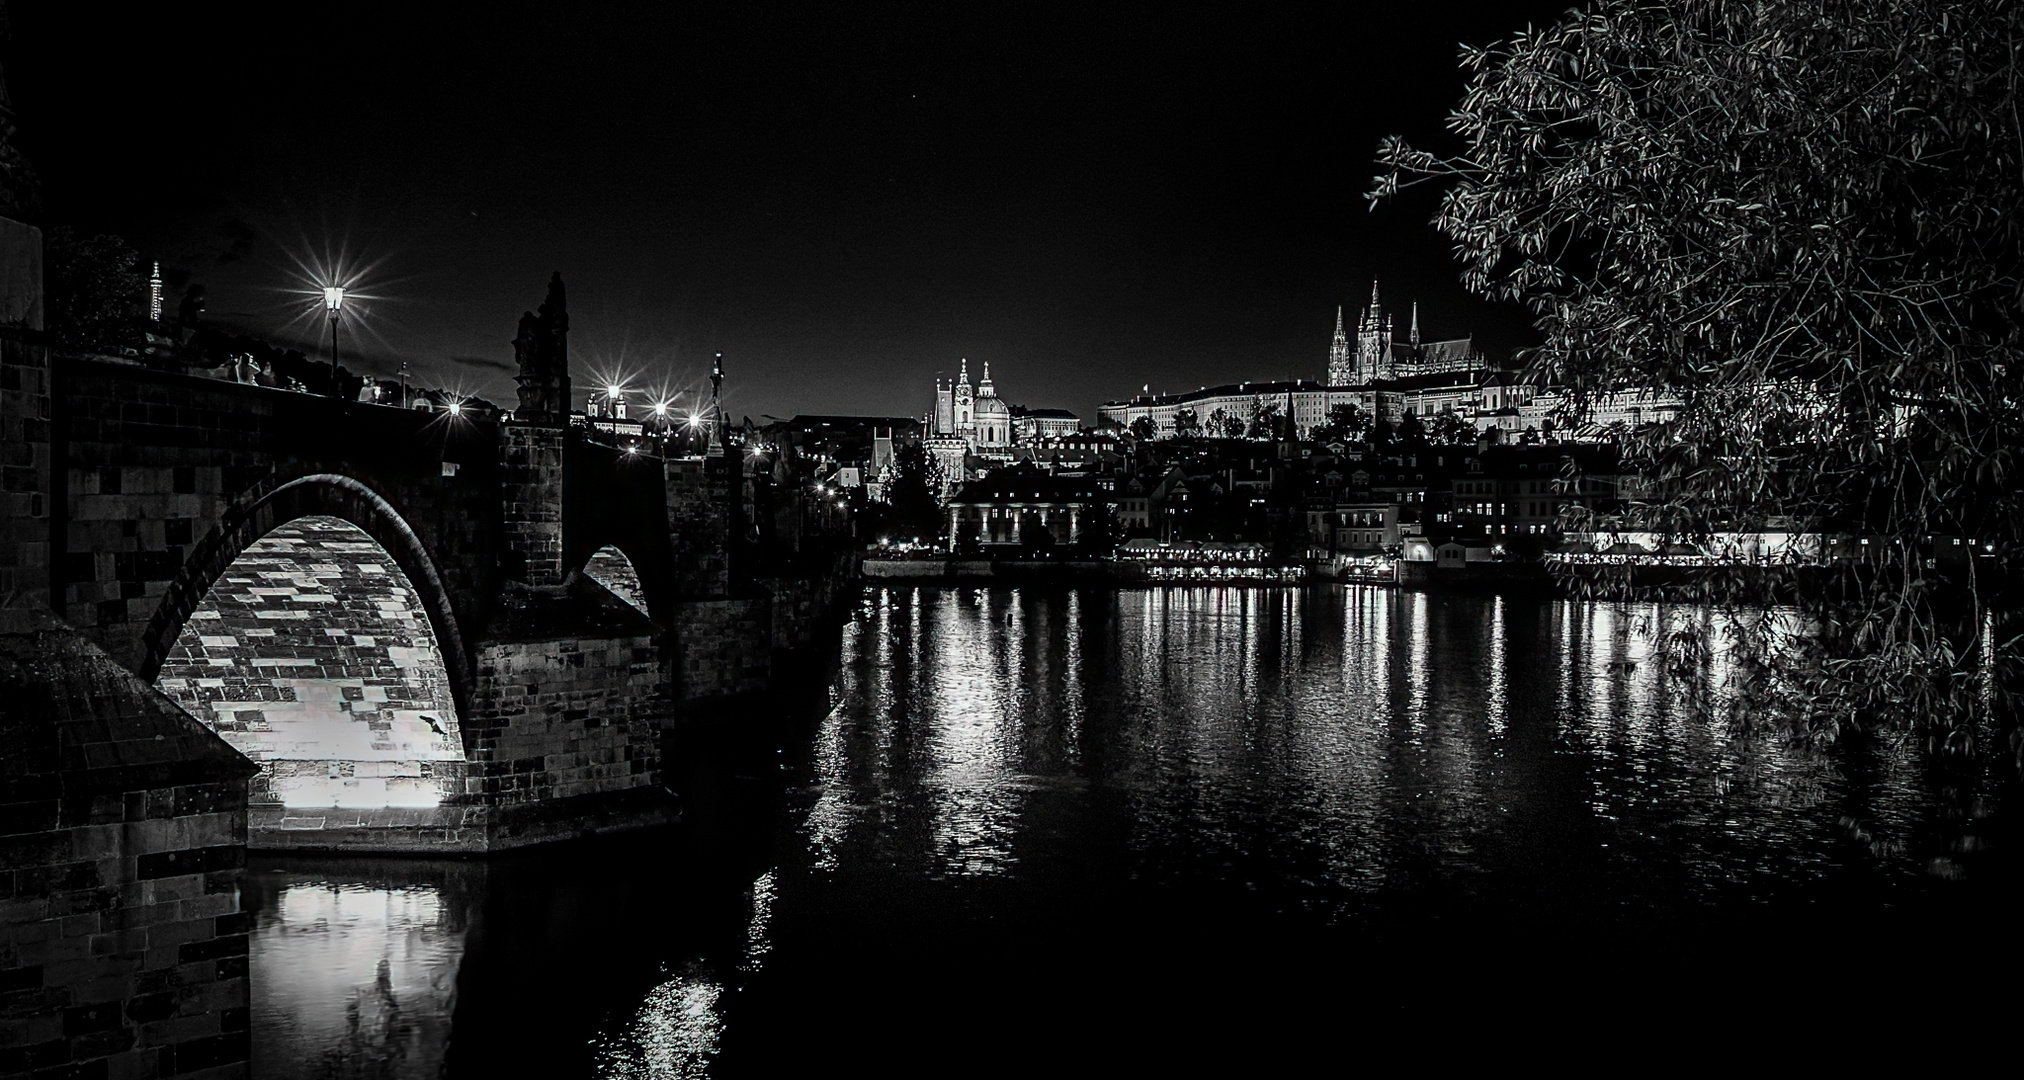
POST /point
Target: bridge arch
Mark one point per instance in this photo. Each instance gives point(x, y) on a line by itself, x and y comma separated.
point(312, 656)
point(612, 568)
point(275, 502)
point(635, 568)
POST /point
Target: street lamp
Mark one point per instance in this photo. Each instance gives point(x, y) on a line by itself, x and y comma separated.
point(333, 301)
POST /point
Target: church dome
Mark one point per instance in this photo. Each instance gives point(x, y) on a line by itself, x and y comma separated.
point(992, 406)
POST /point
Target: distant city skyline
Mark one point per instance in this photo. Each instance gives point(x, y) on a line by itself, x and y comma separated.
point(843, 202)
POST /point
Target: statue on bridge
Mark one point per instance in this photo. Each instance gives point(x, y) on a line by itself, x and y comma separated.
point(541, 350)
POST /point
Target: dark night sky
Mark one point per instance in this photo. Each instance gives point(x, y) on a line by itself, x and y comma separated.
point(843, 201)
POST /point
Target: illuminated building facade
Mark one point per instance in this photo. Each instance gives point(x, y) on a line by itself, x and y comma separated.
point(1380, 376)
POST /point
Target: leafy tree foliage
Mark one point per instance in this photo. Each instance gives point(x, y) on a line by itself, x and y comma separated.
point(1224, 426)
point(1143, 429)
point(1100, 532)
point(1801, 221)
point(1447, 429)
point(1034, 535)
point(1405, 433)
point(92, 291)
point(1346, 424)
point(915, 513)
point(1187, 425)
point(1264, 422)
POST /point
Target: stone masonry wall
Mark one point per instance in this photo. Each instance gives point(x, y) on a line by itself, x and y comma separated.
point(699, 522)
point(24, 470)
point(803, 605)
point(562, 718)
point(123, 948)
point(725, 647)
point(530, 492)
point(121, 938)
point(313, 657)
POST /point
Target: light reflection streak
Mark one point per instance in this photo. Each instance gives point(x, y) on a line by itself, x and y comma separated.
point(1248, 630)
point(967, 731)
point(1339, 754)
point(829, 820)
point(1070, 681)
point(678, 1030)
point(1418, 673)
point(1496, 706)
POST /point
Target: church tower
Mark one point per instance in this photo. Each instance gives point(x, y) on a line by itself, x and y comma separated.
point(1341, 362)
point(945, 408)
point(966, 401)
point(1373, 341)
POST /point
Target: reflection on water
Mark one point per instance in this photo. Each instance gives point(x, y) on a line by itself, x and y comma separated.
point(353, 977)
point(1028, 809)
point(675, 1034)
point(1322, 742)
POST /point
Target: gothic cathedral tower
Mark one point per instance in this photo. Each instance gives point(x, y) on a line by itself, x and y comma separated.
point(1341, 362)
point(1373, 341)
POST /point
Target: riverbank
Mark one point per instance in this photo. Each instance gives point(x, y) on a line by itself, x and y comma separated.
point(1133, 573)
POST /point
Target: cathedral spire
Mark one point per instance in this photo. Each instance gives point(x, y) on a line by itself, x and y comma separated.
point(1413, 335)
point(1341, 361)
point(1373, 298)
point(963, 372)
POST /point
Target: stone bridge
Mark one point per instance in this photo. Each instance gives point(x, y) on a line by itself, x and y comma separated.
point(429, 630)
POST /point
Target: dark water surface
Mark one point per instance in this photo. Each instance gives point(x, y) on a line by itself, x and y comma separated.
point(1048, 831)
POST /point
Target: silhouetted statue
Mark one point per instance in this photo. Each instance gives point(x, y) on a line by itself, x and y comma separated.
point(541, 351)
point(191, 311)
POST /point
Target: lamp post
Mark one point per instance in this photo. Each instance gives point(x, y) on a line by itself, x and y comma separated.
point(333, 301)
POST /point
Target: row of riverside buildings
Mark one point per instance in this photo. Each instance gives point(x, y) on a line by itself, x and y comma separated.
point(1013, 478)
point(1006, 487)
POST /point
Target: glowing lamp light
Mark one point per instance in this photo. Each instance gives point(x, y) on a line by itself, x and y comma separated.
point(613, 390)
point(660, 408)
point(695, 420)
point(333, 298)
point(456, 408)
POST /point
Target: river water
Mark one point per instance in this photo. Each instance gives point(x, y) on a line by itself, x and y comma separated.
point(1039, 830)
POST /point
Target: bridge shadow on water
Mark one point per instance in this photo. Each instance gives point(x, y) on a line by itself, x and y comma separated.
point(741, 943)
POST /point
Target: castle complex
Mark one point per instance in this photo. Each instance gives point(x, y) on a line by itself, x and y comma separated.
point(1381, 376)
point(1386, 379)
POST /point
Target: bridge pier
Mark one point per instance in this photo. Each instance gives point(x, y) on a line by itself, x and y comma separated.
point(562, 737)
